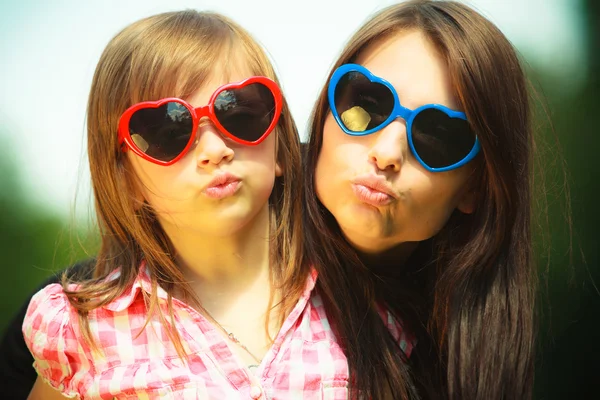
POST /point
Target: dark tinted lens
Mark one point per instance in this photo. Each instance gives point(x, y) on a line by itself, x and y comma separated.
point(163, 132)
point(439, 140)
point(361, 104)
point(246, 112)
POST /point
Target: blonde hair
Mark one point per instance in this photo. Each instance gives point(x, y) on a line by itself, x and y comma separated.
point(171, 55)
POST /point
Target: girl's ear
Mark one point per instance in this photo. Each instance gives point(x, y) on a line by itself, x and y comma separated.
point(130, 184)
point(278, 169)
point(278, 163)
point(138, 200)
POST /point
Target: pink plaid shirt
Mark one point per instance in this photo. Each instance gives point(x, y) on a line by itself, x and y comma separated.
point(305, 361)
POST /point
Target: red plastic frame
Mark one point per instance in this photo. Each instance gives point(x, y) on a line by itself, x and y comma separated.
point(197, 114)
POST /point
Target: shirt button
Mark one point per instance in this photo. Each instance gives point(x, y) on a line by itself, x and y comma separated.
point(255, 392)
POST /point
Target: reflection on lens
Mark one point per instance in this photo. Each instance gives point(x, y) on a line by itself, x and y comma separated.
point(356, 119)
point(439, 140)
point(163, 132)
point(177, 112)
point(369, 104)
point(246, 112)
point(140, 142)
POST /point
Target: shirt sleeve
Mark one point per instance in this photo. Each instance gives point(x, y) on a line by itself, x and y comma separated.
point(17, 375)
point(49, 334)
point(405, 340)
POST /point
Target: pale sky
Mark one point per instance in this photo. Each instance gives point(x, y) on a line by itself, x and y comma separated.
point(50, 48)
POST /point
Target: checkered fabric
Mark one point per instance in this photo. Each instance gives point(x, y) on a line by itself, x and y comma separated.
point(304, 362)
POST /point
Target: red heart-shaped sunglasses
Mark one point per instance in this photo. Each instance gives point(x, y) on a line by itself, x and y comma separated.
point(163, 131)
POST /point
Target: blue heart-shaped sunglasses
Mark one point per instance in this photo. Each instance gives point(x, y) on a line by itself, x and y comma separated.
point(362, 103)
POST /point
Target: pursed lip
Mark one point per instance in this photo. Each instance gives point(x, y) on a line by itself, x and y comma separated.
point(221, 179)
point(375, 183)
point(222, 185)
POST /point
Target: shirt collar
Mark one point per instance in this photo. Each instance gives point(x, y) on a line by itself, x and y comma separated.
point(143, 282)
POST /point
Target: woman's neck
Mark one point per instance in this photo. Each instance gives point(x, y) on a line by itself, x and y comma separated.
point(394, 257)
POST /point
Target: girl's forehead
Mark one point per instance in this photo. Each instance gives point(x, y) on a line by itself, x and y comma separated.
point(214, 81)
point(231, 70)
point(223, 70)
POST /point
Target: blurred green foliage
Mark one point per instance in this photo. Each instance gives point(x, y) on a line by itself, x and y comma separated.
point(36, 243)
point(569, 346)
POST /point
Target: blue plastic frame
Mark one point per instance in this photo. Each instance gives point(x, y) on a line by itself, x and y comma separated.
point(398, 111)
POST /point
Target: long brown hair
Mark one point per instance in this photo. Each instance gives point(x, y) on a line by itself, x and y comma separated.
point(473, 311)
point(171, 55)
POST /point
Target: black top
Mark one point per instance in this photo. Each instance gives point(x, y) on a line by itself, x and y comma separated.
point(17, 374)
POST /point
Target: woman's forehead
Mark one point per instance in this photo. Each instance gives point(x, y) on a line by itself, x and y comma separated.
point(412, 64)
